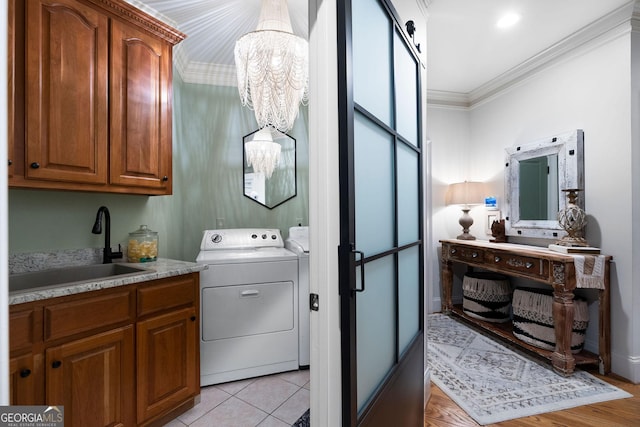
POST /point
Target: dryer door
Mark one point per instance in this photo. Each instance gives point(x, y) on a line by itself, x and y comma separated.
point(244, 310)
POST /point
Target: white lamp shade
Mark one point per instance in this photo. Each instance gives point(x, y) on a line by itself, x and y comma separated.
point(465, 193)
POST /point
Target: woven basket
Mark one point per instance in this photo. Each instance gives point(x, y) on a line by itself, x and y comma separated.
point(533, 319)
point(486, 296)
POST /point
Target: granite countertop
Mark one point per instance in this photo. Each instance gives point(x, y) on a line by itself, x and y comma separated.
point(156, 270)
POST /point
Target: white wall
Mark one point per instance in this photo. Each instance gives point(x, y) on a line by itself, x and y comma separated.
point(635, 190)
point(450, 136)
point(589, 90)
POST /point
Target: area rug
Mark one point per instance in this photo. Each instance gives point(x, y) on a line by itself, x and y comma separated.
point(303, 421)
point(493, 383)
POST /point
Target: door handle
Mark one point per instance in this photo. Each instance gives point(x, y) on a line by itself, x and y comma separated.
point(250, 293)
point(361, 270)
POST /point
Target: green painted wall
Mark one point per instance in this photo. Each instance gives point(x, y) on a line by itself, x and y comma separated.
point(213, 123)
point(209, 123)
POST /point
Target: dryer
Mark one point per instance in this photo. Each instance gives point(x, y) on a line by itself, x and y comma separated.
point(248, 305)
point(298, 243)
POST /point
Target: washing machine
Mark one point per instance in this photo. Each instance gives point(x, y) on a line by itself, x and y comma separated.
point(298, 243)
point(248, 305)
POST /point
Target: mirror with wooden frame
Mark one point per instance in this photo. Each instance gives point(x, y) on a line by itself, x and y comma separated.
point(535, 175)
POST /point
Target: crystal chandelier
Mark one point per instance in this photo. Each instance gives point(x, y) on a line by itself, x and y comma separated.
point(273, 68)
point(262, 153)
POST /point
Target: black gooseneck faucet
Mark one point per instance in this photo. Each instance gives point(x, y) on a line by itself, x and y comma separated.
point(107, 255)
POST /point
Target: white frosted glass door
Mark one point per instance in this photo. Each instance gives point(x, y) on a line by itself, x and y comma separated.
point(373, 86)
point(375, 192)
point(381, 218)
point(376, 332)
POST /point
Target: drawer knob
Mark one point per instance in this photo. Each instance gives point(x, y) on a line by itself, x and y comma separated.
point(35, 165)
point(529, 265)
point(10, 162)
point(25, 373)
point(56, 364)
point(474, 255)
point(497, 259)
point(193, 318)
point(453, 251)
point(165, 178)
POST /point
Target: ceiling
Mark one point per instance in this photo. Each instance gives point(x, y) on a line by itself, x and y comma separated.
point(465, 49)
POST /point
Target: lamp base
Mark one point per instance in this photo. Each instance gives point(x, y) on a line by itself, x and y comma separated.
point(466, 236)
point(466, 222)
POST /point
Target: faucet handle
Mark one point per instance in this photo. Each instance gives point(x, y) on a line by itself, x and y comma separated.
point(118, 254)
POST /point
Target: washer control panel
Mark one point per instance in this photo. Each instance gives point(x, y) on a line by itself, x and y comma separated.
point(241, 238)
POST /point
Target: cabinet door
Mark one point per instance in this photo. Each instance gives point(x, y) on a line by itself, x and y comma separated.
point(168, 362)
point(24, 384)
point(94, 379)
point(11, 85)
point(140, 110)
point(66, 92)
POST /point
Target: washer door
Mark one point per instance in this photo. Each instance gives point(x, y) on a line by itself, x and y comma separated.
point(239, 311)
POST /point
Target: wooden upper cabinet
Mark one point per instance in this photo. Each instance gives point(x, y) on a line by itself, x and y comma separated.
point(66, 92)
point(89, 97)
point(11, 84)
point(140, 109)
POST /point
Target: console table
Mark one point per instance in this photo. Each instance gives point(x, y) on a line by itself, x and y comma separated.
point(542, 265)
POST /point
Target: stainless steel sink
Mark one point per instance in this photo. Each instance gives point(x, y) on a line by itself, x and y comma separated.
point(68, 275)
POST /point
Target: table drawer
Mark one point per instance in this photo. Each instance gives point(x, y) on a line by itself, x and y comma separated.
point(526, 266)
point(460, 253)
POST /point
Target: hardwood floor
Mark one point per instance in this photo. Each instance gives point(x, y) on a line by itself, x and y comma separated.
point(444, 412)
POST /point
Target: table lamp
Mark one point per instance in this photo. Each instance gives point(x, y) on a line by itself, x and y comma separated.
point(465, 194)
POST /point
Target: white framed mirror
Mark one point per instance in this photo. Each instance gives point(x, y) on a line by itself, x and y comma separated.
point(535, 175)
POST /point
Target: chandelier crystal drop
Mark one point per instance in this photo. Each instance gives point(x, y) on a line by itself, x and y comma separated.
point(263, 155)
point(272, 66)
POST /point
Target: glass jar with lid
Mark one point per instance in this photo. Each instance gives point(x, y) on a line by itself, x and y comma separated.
point(143, 245)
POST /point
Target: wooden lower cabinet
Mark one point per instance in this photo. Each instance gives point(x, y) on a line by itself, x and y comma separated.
point(93, 379)
point(25, 379)
point(139, 365)
point(166, 372)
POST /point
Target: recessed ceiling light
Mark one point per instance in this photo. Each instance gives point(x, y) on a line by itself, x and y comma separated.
point(508, 20)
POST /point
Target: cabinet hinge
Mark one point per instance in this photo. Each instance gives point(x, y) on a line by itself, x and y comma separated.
point(314, 303)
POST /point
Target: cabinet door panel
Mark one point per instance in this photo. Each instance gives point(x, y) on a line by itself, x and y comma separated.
point(168, 362)
point(140, 109)
point(66, 106)
point(94, 379)
point(25, 381)
point(11, 83)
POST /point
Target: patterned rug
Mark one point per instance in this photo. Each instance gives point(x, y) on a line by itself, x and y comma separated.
point(493, 383)
point(303, 421)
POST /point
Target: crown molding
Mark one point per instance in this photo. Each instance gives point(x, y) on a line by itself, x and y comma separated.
point(605, 29)
point(203, 72)
point(635, 18)
point(445, 99)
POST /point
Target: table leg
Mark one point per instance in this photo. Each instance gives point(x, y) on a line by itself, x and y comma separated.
point(604, 323)
point(447, 285)
point(563, 311)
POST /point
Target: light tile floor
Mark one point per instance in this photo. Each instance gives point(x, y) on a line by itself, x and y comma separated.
point(273, 401)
